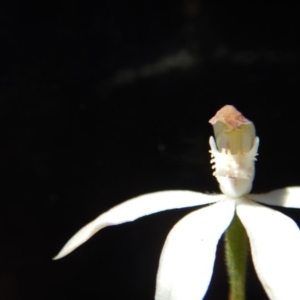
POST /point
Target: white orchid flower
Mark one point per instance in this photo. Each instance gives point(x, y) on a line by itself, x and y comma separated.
point(187, 259)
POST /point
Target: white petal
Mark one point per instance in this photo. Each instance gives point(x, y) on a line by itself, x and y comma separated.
point(275, 247)
point(135, 208)
point(287, 197)
point(187, 259)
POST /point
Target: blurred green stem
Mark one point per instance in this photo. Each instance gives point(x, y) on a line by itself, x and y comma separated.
point(236, 250)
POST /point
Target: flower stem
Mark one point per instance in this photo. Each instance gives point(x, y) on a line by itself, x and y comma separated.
point(236, 250)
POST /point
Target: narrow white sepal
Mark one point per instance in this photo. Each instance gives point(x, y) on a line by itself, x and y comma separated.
point(187, 259)
point(286, 197)
point(275, 248)
point(136, 208)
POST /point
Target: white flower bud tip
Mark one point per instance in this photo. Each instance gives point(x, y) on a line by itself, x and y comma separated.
point(233, 153)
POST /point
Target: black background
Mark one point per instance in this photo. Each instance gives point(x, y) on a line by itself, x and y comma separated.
point(107, 100)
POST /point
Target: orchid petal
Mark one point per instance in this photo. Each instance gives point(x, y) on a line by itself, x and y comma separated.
point(187, 259)
point(287, 197)
point(135, 208)
point(275, 247)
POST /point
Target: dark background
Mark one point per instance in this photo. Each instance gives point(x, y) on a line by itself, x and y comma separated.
point(107, 100)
